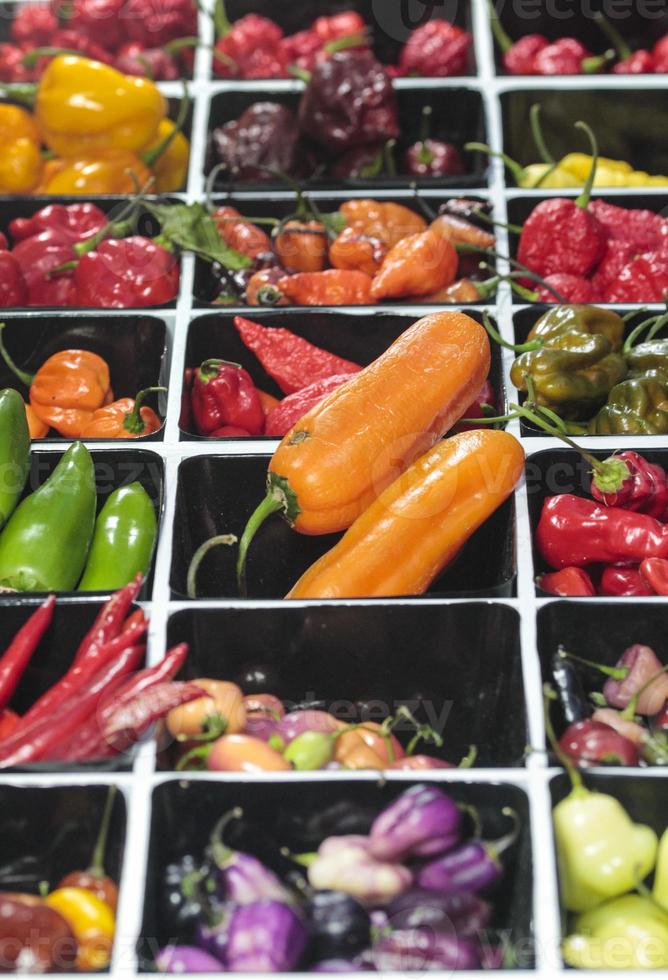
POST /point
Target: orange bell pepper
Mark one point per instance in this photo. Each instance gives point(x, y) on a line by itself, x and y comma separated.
point(126, 418)
point(417, 525)
point(352, 249)
point(382, 219)
point(418, 265)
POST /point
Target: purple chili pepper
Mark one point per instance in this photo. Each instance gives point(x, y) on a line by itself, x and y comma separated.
point(213, 938)
point(471, 867)
point(187, 959)
point(306, 720)
point(265, 937)
point(464, 912)
point(421, 822)
point(242, 879)
point(424, 949)
point(261, 726)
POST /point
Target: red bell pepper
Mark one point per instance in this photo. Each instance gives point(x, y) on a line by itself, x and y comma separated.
point(223, 394)
point(567, 582)
point(127, 272)
point(38, 257)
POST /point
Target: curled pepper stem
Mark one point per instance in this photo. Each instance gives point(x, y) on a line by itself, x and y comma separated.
point(97, 859)
point(537, 133)
point(613, 35)
point(468, 761)
point(652, 325)
point(200, 555)
point(270, 505)
point(530, 345)
point(617, 673)
point(497, 847)
point(133, 421)
point(30, 59)
point(549, 694)
point(583, 200)
point(221, 21)
point(501, 37)
point(629, 712)
point(516, 169)
point(23, 376)
point(422, 732)
point(221, 852)
point(180, 43)
point(209, 369)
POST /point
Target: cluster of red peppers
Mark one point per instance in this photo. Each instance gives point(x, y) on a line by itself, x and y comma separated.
point(138, 37)
point(104, 703)
point(256, 47)
point(220, 399)
point(615, 544)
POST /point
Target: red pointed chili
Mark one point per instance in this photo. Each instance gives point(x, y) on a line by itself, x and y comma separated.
point(17, 656)
point(110, 619)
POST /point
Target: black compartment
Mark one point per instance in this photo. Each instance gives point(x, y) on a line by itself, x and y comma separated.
point(134, 347)
point(629, 125)
point(555, 471)
point(457, 117)
point(360, 339)
point(114, 206)
point(641, 25)
point(303, 813)
point(113, 468)
point(391, 23)
point(217, 494)
point(526, 318)
point(577, 627)
point(457, 667)
point(52, 659)
point(206, 286)
point(50, 831)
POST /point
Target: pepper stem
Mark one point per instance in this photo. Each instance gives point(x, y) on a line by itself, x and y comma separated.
point(180, 43)
point(583, 200)
point(537, 133)
point(503, 39)
point(271, 504)
point(347, 41)
point(617, 673)
point(30, 59)
point(422, 732)
point(220, 851)
point(468, 761)
point(97, 860)
point(531, 345)
point(198, 558)
point(655, 322)
point(151, 156)
point(389, 161)
point(221, 21)
point(133, 421)
point(425, 124)
point(209, 369)
point(629, 711)
point(549, 694)
point(516, 169)
point(497, 847)
point(23, 376)
point(23, 94)
point(200, 753)
point(613, 35)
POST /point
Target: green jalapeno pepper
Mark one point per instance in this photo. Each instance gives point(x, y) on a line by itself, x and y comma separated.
point(14, 451)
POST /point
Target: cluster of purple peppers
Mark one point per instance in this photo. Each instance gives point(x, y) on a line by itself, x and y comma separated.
point(404, 897)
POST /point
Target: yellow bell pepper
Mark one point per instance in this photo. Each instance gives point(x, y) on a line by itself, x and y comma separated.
point(83, 107)
point(20, 158)
point(91, 920)
point(114, 172)
point(170, 168)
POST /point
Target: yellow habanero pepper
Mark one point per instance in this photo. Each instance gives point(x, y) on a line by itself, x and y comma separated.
point(170, 168)
point(83, 107)
point(114, 172)
point(538, 175)
point(91, 920)
point(20, 158)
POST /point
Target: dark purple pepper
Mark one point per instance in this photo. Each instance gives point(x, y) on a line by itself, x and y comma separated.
point(433, 158)
point(338, 926)
point(471, 867)
point(349, 101)
point(421, 822)
point(265, 937)
point(242, 878)
point(424, 949)
point(467, 913)
point(265, 135)
point(187, 959)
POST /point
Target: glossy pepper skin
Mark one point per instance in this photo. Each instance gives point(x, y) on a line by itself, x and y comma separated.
point(352, 249)
point(39, 935)
point(560, 236)
point(424, 949)
point(249, 48)
point(83, 107)
point(578, 360)
point(68, 388)
point(641, 665)
point(108, 172)
point(92, 921)
point(628, 933)
point(436, 49)
point(123, 540)
point(616, 581)
point(265, 135)
point(349, 101)
point(170, 170)
point(265, 936)
point(346, 864)
point(637, 406)
point(241, 235)
point(224, 394)
point(385, 220)
point(332, 287)
point(126, 418)
point(292, 408)
point(567, 582)
point(13, 288)
point(338, 926)
point(66, 222)
point(418, 265)
point(14, 451)
point(644, 490)
point(21, 160)
point(422, 821)
point(44, 545)
point(127, 272)
point(591, 742)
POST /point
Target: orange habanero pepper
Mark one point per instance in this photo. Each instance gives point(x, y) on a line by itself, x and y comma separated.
point(354, 250)
point(418, 265)
point(344, 452)
point(301, 246)
point(126, 418)
point(333, 287)
point(262, 288)
point(419, 523)
point(240, 234)
point(367, 747)
point(36, 427)
point(382, 219)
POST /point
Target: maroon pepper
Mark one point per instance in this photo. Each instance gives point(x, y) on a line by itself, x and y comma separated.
point(568, 581)
point(590, 743)
point(644, 490)
point(436, 49)
point(223, 394)
point(13, 288)
point(432, 158)
point(618, 581)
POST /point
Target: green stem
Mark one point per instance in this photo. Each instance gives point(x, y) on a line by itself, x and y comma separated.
point(389, 159)
point(221, 21)
point(23, 94)
point(503, 39)
point(629, 712)
point(31, 58)
point(549, 694)
point(425, 124)
point(180, 43)
point(97, 860)
point(537, 133)
point(613, 35)
point(300, 73)
point(617, 673)
point(23, 376)
point(635, 333)
point(503, 843)
point(270, 505)
point(201, 753)
point(200, 555)
point(133, 422)
point(347, 41)
point(531, 345)
point(468, 761)
point(151, 156)
point(115, 229)
point(516, 169)
point(209, 369)
point(219, 850)
point(590, 66)
point(583, 200)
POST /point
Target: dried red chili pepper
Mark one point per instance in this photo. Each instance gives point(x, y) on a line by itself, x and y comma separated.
point(224, 394)
point(127, 272)
point(617, 581)
point(644, 490)
point(436, 49)
point(16, 657)
point(289, 411)
point(568, 581)
point(290, 360)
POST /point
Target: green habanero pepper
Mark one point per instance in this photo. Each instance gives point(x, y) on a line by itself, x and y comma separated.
point(43, 548)
point(648, 359)
point(123, 541)
point(628, 933)
point(573, 356)
point(14, 451)
point(637, 406)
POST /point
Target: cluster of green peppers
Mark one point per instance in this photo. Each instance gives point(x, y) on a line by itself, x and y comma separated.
point(580, 367)
point(52, 540)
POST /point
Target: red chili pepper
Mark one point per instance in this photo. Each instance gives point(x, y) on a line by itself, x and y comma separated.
point(96, 20)
point(637, 227)
point(72, 222)
point(8, 723)
point(660, 55)
point(344, 24)
point(231, 431)
point(643, 280)
point(438, 49)
point(154, 23)
point(128, 722)
point(567, 582)
point(127, 272)
point(291, 361)
point(291, 409)
point(12, 68)
point(36, 741)
point(575, 531)
point(639, 63)
point(17, 656)
point(109, 621)
point(520, 57)
point(224, 394)
point(34, 24)
point(644, 490)
point(155, 63)
point(13, 288)
point(249, 48)
point(485, 396)
point(305, 48)
point(134, 619)
point(617, 256)
point(37, 257)
point(575, 289)
point(567, 56)
point(4, 244)
point(616, 581)
point(655, 573)
point(591, 743)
